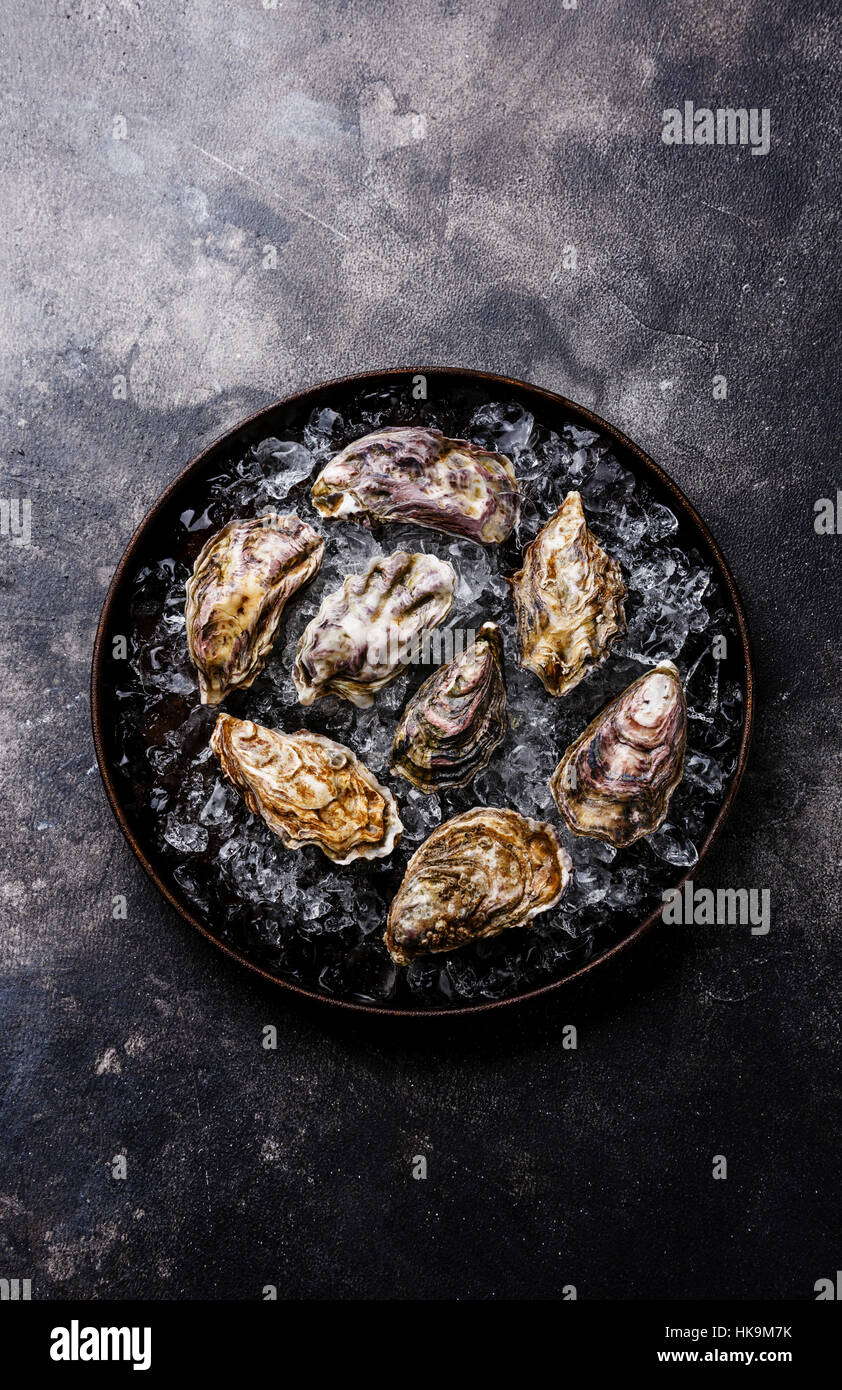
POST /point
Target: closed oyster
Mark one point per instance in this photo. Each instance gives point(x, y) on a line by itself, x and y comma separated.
point(615, 782)
point(569, 600)
point(477, 875)
point(415, 474)
point(456, 719)
point(309, 790)
point(361, 637)
point(236, 594)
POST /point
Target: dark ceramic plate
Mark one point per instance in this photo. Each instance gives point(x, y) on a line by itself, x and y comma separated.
point(134, 714)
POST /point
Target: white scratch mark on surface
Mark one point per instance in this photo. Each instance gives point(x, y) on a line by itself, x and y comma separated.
point(269, 193)
point(241, 173)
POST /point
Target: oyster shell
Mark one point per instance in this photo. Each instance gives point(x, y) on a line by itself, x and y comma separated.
point(241, 581)
point(416, 474)
point(568, 598)
point(456, 719)
point(309, 790)
point(477, 875)
point(360, 638)
point(615, 782)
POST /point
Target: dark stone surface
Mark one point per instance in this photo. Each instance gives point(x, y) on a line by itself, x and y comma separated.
point(419, 169)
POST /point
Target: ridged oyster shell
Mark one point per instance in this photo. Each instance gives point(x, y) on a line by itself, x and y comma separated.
point(456, 719)
point(241, 581)
point(615, 782)
point(415, 474)
point(568, 598)
point(309, 790)
point(358, 640)
point(477, 875)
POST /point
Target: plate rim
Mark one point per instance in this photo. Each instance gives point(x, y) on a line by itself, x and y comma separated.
point(381, 375)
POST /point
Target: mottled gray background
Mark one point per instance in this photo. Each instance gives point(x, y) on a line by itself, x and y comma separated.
point(419, 167)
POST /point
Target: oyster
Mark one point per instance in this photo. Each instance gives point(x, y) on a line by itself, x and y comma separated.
point(309, 790)
point(568, 598)
point(361, 637)
point(477, 875)
point(456, 719)
point(416, 474)
point(236, 594)
point(614, 783)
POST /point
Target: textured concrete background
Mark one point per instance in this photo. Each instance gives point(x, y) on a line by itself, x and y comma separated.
point(419, 168)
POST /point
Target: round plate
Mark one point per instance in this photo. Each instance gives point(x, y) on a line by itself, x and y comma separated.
point(289, 416)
